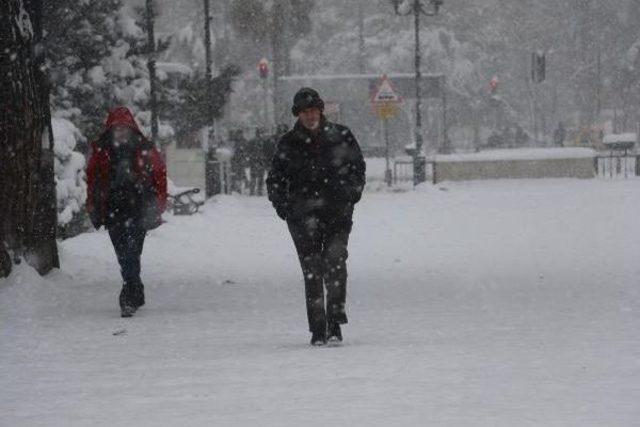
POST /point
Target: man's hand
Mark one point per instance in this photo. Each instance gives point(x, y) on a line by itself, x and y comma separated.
point(282, 212)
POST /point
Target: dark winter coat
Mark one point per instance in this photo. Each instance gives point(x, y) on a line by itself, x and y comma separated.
point(311, 173)
point(269, 146)
point(241, 153)
point(125, 185)
point(254, 153)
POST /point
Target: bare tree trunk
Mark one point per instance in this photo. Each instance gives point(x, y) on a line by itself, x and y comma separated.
point(27, 189)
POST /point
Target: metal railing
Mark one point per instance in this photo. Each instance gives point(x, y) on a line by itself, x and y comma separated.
point(403, 171)
point(616, 166)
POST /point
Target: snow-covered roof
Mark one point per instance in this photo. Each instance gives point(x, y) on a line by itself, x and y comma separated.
point(519, 154)
point(617, 138)
point(174, 67)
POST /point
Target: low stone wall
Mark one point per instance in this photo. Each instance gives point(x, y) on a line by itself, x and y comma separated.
point(575, 165)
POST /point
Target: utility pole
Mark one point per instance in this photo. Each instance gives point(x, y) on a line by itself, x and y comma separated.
point(151, 65)
point(419, 164)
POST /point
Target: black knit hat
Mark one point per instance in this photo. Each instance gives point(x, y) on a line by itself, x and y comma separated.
point(306, 98)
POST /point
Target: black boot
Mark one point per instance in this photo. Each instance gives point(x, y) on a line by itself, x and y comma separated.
point(138, 295)
point(319, 338)
point(127, 304)
point(334, 333)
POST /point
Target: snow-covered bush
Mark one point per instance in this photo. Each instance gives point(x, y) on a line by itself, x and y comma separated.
point(100, 64)
point(71, 187)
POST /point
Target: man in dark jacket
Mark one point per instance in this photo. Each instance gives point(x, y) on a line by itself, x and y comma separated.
point(240, 160)
point(127, 193)
point(257, 164)
point(270, 144)
point(317, 176)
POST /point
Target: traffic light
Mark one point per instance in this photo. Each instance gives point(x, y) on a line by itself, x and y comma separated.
point(263, 68)
point(538, 67)
point(493, 85)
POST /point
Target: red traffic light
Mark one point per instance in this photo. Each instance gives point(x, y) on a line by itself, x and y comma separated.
point(493, 85)
point(263, 68)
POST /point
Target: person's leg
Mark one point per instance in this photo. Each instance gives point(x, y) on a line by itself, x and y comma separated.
point(307, 239)
point(118, 239)
point(128, 243)
point(252, 181)
point(260, 176)
point(137, 240)
point(334, 261)
point(236, 178)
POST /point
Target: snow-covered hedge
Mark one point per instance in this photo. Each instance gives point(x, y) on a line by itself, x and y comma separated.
point(69, 165)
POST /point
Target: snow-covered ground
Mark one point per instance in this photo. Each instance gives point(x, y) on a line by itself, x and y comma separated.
point(511, 303)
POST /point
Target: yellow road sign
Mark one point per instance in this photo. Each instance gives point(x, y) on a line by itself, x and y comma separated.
point(385, 100)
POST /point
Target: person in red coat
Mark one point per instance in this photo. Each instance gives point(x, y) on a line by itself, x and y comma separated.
point(126, 193)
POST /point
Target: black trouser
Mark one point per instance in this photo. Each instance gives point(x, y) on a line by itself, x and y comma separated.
point(128, 243)
point(321, 242)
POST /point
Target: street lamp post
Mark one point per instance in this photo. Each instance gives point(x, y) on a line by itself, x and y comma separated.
point(418, 9)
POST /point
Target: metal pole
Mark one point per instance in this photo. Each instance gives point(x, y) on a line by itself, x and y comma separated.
point(418, 174)
point(387, 171)
point(445, 127)
point(275, 96)
point(208, 72)
point(151, 65)
point(265, 107)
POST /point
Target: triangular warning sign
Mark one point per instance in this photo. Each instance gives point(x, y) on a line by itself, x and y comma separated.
point(385, 93)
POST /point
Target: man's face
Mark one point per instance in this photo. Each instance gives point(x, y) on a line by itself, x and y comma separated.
point(121, 135)
point(310, 118)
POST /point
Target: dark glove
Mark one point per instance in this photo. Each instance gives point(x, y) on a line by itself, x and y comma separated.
point(346, 191)
point(282, 212)
point(95, 220)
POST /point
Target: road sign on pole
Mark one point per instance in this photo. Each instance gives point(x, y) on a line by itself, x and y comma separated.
point(385, 102)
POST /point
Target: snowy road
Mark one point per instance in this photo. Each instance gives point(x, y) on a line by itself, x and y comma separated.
point(489, 304)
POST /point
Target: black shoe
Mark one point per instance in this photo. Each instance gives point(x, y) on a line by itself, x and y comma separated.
point(334, 332)
point(138, 296)
point(127, 303)
point(127, 310)
point(318, 339)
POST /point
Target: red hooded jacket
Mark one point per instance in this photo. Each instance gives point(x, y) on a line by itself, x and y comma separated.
point(149, 167)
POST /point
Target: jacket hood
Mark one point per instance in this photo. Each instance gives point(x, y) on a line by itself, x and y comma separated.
point(121, 116)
